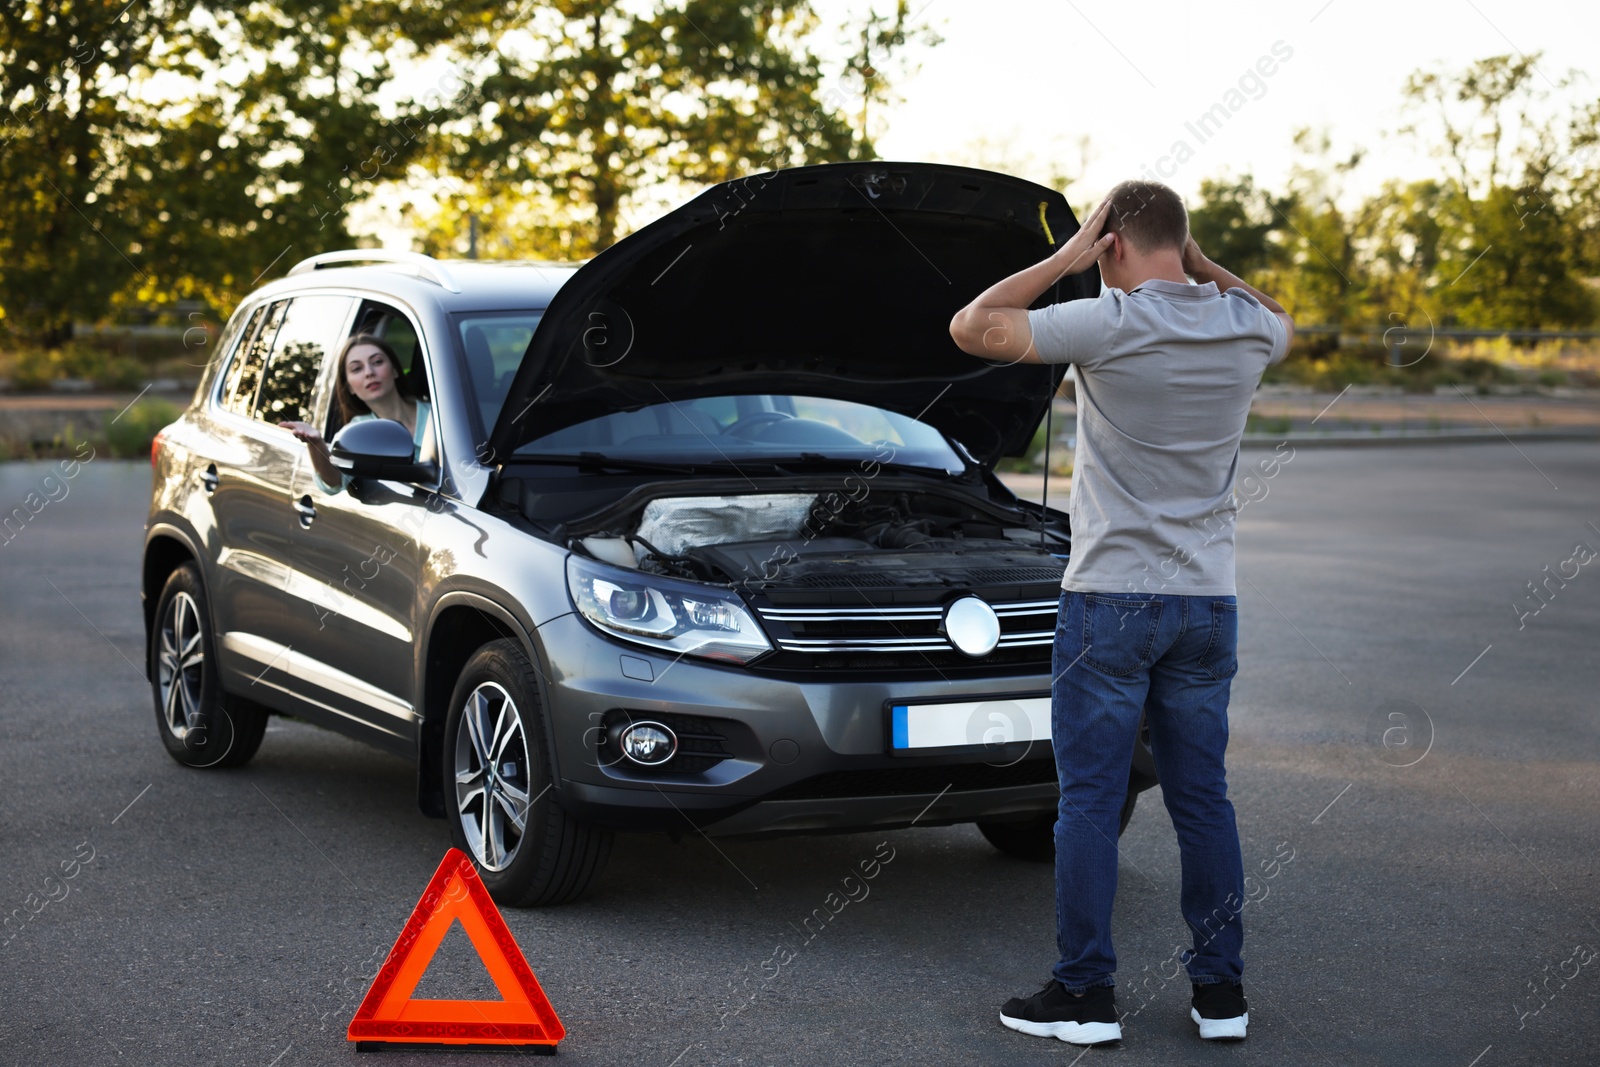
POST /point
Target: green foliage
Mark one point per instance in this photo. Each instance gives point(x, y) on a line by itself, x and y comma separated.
point(1241, 225)
point(174, 149)
point(1276, 425)
point(1032, 461)
point(1513, 221)
point(1502, 239)
point(129, 437)
point(32, 367)
point(609, 100)
point(1513, 262)
point(1330, 368)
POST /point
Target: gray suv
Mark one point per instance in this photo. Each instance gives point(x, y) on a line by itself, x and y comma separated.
point(700, 536)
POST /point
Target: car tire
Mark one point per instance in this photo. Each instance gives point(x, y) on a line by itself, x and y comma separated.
point(1034, 839)
point(200, 724)
point(495, 712)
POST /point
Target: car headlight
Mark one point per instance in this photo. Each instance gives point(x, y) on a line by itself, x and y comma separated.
point(680, 617)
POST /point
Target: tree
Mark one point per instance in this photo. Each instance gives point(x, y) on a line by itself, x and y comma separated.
point(587, 103)
point(879, 44)
point(1325, 240)
point(1583, 166)
point(1515, 209)
point(183, 150)
point(61, 255)
point(1510, 263)
point(1241, 226)
point(1401, 256)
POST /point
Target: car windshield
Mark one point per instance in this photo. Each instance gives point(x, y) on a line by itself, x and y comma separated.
point(728, 429)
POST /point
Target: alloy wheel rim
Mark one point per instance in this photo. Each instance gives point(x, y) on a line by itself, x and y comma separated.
point(181, 665)
point(492, 780)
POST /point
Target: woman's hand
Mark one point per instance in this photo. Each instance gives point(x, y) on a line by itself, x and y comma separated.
point(321, 460)
point(305, 432)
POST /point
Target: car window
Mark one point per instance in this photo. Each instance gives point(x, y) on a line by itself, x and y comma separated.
point(244, 374)
point(492, 344)
point(391, 324)
point(238, 325)
point(311, 332)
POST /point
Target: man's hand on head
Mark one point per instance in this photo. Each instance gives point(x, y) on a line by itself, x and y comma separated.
point(995, 325)
point(1194, 260)
point(1085, 247)
point(1203, 270)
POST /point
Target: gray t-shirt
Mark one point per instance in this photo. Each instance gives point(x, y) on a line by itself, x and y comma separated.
point(1165, 378)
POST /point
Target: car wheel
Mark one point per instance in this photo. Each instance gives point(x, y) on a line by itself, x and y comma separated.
point(200, 724)
point(497, 772)
point(1035, 838)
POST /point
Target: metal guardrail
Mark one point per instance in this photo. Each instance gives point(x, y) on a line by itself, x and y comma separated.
point(1407, 331)
point(1397, 338)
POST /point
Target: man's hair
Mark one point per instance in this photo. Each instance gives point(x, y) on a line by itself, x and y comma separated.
point(1148, 215)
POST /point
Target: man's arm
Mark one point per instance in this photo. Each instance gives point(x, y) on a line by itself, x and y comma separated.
point(995, 325)
point(1202, 270)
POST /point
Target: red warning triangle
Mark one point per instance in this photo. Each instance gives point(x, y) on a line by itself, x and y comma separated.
point(389, 1013)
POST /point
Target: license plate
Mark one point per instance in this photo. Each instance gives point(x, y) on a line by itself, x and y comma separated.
point(968, 724)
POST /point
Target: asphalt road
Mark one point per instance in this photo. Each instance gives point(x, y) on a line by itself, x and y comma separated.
point(1418, 894)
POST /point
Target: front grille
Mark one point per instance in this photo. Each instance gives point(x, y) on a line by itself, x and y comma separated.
point(1002, 662)
point(908, 781)
point(899, 629)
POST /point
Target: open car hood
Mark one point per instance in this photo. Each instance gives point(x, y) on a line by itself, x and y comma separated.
point(836, 281)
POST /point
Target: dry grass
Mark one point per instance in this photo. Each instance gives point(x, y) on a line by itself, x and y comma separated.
point(1578, 357)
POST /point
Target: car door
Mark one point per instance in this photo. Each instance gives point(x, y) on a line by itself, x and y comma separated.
point(248, 477)
point(273, 380)
point(358, 557)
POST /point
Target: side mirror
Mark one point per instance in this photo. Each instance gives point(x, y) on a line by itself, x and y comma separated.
point(377, 448)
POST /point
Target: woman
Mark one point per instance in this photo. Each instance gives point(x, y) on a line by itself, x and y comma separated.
point(370, 386)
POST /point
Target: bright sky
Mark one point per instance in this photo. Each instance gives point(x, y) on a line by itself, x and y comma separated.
point(1018, 85)
point(1035, 76)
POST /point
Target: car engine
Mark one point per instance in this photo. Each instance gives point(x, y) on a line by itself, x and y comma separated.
point(886, 538)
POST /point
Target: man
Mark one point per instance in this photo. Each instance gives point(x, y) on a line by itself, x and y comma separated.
point(1148, 618)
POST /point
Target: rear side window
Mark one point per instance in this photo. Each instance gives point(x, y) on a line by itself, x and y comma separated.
point(244, 375)
point(310, 333)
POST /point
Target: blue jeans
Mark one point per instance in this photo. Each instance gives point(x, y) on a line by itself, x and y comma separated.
point(1172, 657)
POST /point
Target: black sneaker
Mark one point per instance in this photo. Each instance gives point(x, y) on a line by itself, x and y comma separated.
point(1220, 1009)
point(1090, 1019)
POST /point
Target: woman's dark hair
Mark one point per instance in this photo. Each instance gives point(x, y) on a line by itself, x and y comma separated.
point(351, 405)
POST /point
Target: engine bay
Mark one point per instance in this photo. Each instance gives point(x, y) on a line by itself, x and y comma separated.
point(883, 538)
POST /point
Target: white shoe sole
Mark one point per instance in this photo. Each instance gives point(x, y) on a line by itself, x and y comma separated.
point(1072, 1033)
point(1215, 1029)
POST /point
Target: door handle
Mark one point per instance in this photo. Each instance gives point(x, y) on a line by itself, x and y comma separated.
point(307, 510)
point(208, 479)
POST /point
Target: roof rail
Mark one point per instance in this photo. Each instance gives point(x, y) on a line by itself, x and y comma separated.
point(423, 266)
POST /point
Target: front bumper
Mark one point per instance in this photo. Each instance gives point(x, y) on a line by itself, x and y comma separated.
point(803, 754)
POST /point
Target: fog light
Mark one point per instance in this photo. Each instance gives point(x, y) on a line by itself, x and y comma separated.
point(648, 743)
